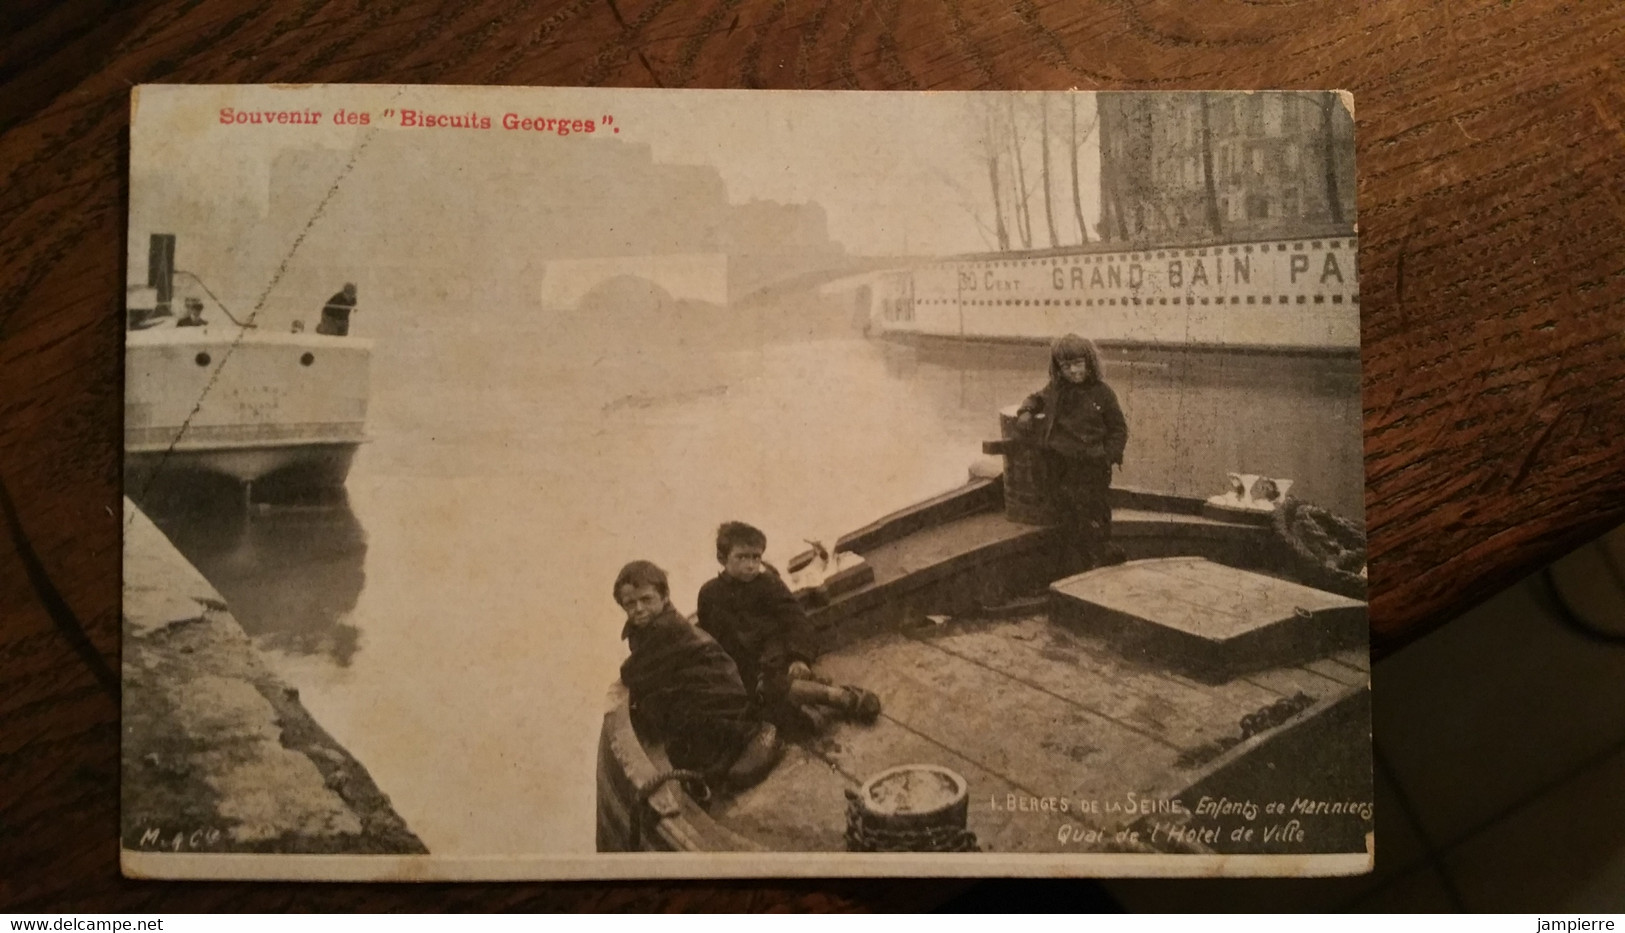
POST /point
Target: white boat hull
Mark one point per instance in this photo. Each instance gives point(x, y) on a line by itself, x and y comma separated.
point(317, 465)
point(244, 404)
point(1293, 295)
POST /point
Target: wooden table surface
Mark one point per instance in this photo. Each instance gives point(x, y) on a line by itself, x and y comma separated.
point(1491, 141)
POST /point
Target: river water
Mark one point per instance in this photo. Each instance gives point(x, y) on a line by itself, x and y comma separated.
point(451, 622)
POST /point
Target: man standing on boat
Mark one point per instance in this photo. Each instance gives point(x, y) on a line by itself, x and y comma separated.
point(336, 313)
point(194, 314)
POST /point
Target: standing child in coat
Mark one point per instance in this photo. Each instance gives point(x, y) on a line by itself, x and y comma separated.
point(752, 614)
point(1077, 422)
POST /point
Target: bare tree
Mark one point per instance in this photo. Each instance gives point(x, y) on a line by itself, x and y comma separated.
point(1000, 232)
point(992, 144)
point(1043, 132)
point(1077, 144)
point(1329, 107)
point(1214, 218)
point(1017, 202)
point(1024, 218)
point(970, 196)
point(1108, 202)
point(1113, 216)
point(1334, 201)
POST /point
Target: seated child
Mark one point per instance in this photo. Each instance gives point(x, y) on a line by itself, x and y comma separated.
point(686, 689)
point(1082, 434)
point(752, 614)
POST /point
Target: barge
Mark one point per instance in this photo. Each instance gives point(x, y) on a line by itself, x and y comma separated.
point(1295, 295)
point(1116, 710)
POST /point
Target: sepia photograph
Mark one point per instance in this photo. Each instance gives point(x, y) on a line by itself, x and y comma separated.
point(573, 483)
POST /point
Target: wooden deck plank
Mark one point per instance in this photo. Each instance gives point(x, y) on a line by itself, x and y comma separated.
point(1059, 714)
point(802, 804)
point(807, 789)
point(1049, 742)
point(1342, 673)
point(1286, 681)
point(1094, 655)
point(1357, 658)
point(800, 807)
point(861, 752)
point(1239, 689)
point(1094, 678)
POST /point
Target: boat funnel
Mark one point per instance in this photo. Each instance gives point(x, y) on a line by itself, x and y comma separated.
point(161, 269)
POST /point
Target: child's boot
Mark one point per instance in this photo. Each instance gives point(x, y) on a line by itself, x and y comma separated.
point(762, 751)
point(861, 705)
point(816, 718)
point(803, 720)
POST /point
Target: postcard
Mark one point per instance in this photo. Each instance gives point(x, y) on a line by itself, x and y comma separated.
point(585, 483)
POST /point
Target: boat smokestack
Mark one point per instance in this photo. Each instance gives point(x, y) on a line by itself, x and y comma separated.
point(161, 269)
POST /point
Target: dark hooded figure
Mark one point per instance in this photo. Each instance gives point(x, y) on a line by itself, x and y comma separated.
point(1076, 420)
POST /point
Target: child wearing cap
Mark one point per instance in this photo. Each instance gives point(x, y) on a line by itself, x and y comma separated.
point(753, 615)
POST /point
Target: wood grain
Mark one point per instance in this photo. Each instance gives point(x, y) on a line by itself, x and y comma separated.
point(1491, 147)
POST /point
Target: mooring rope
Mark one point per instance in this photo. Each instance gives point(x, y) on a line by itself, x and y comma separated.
point(661, 780)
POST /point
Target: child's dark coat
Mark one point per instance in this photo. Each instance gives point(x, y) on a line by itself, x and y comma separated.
point(686, 689)
point(1083, 433)
point(1083, 421)
point(759, 623)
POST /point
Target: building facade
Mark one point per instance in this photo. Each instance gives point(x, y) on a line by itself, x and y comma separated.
point(1188, 168)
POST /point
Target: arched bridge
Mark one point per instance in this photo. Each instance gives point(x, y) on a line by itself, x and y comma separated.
point(683, 276)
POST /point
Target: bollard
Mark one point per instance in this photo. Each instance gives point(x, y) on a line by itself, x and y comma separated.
point(912, 808)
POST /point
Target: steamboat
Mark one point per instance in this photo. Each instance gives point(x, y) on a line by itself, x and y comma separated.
point(205, 392)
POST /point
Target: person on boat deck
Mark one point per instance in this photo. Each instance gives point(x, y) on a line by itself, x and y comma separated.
point(751, 613)
point(1077, 422)
point(685, 689)
point(193, 316)
point(336, 313)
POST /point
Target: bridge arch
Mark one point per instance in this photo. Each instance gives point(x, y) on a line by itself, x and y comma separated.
point(680, 276)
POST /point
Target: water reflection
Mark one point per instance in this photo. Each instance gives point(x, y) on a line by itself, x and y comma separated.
point(290, 564)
